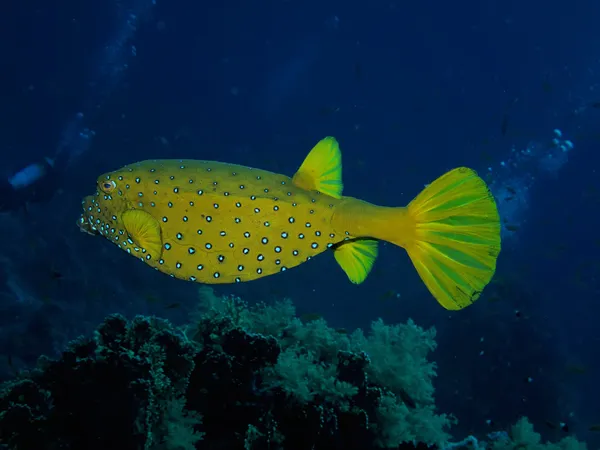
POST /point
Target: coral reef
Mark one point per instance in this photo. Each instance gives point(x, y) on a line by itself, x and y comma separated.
point(311, 385)
point(521, 436)
point(236, 377)
point(123, 388)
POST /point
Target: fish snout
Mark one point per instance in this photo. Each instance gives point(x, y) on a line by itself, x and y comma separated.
point(85, 227)
point(83, 222)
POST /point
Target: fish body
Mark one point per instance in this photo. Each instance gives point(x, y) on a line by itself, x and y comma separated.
point(219, 223)
point(214, 222)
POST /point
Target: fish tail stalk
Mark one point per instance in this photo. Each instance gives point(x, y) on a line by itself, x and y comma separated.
point(451, 232)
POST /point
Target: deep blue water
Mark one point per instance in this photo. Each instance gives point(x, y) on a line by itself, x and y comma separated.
point(410, 90)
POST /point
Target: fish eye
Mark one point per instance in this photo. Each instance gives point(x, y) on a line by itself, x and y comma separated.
point(108, 186)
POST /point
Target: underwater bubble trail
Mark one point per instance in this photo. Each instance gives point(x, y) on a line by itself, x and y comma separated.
point(512, 179)
point(112, 63)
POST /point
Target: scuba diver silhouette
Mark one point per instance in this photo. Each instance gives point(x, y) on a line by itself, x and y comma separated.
point(37, 182)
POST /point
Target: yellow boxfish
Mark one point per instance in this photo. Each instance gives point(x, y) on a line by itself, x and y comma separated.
point(213, 222)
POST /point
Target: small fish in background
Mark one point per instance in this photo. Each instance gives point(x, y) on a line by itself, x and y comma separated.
point(211, 222)
point(595, 427)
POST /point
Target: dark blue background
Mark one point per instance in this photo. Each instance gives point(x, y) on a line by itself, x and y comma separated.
point(409, 89)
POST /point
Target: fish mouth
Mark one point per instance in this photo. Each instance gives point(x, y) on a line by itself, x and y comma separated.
point(84, 222)
point(85, 226)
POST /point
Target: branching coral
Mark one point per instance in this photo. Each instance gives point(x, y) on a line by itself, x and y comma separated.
point(389, 381)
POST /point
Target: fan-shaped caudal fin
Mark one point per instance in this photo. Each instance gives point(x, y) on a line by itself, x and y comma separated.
point(456, 237)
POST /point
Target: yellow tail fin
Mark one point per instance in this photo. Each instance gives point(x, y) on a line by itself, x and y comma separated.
point(457, 237)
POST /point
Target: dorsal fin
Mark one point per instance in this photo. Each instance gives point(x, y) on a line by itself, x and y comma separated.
point(322, 169)
point(357, 258)
point(144, 231)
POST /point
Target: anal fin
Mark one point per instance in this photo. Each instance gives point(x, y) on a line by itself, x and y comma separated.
point(356, 258)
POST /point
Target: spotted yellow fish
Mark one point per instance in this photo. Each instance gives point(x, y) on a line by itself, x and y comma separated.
point(213, 222)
